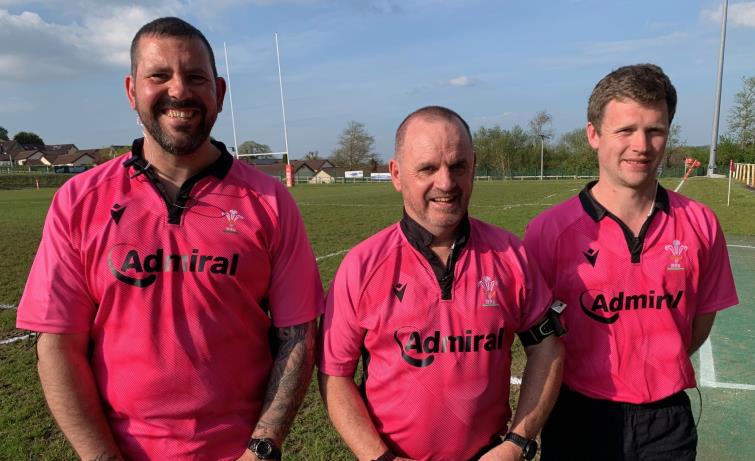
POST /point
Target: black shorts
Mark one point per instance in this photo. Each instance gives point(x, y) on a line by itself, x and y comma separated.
point(582, 428)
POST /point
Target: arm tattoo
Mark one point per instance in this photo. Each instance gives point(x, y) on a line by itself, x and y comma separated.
point(289, 380)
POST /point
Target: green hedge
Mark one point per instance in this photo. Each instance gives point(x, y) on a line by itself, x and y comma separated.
point(29, 180)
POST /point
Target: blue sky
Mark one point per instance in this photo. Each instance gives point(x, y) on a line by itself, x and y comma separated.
point(62, 63)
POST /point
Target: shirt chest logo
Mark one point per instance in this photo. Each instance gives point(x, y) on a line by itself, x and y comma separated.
point(232, 217)
point(676, 252)
point(487, 285)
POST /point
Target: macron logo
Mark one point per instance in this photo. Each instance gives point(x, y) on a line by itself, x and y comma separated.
point(591, 255)
point(116, 212)
point(399, 289)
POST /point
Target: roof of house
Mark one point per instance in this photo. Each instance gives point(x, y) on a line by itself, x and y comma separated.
point(70, 159)
point(24, 154)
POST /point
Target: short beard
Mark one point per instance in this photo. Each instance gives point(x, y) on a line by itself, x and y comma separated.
point(177, 146)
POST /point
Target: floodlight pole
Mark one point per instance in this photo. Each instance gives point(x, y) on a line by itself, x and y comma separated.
point(230, 99)
point(542, 144)
point(283, 106)
point(717, 102)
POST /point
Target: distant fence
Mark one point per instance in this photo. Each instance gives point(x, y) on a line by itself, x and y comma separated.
point(744, 173)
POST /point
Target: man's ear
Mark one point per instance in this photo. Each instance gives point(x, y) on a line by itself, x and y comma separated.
point(393, 169)
point(130, 91)
point(593, 135)
point(220, 89)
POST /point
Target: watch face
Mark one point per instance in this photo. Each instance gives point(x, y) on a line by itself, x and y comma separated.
point(530, 449)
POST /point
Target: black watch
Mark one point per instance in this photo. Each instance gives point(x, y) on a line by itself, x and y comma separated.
point(264, 449)
point(528, 446)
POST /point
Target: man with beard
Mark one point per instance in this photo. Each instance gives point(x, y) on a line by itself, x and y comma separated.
point(175, 291)
point(431, 304)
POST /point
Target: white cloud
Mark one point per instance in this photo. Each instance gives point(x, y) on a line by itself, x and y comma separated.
point(738, 14)
point(461, 81)
point(34, 49)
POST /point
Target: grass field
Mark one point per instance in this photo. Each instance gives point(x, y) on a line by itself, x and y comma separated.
point(337, 217)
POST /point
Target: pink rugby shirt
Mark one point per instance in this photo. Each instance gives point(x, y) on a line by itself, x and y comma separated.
point(437, 370)
point(177, 300)
point(631, 301)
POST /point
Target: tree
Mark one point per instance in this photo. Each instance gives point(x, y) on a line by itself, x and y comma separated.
point(312, 155)
point(3, 134)
point(540, 126)
point(674, 143)
point(27, 137)
point(574, 154)
point(252, 147)
point(355, 147)
point(499, 150)
point(742, 115)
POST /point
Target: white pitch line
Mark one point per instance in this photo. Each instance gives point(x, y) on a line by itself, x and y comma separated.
point(516, 381)
point(737, 386)
point(13, 340)
point(7, 306)
point(707, 368)
point(320, 258)
point(742, 246)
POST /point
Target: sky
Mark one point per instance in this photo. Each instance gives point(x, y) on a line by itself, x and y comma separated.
point(63, 63)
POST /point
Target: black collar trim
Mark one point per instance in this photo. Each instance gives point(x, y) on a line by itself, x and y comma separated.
point(421, 239)
point(219, 168)
point(597, 211)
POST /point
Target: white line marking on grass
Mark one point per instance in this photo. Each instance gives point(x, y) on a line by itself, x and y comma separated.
point(708, 371)
point(13, 340)
point(7, 306)
point(516, 381)
point(548, 196)
point(742, 246)
point(320, 258)
point(707, 367)
point(743, 387)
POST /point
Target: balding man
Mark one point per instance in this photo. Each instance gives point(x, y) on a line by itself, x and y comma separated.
point(431, 304)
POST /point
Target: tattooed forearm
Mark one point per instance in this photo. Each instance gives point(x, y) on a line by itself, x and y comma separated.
point(289, 380)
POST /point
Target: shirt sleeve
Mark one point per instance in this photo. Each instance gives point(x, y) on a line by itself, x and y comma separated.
point(341, 336)
point(56, 298)
point(537, 296)
point(295, 293)
point(716, 289)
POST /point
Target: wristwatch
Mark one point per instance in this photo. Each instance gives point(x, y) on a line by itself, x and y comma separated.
point(528, 446)
point(264, 449)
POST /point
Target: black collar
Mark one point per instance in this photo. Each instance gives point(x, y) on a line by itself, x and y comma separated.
point(219, 168)
point(597, 211)
point(420, 238)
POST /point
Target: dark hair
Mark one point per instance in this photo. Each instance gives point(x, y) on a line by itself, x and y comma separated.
point(643, 83)
point(169, 27)
point(429, 113)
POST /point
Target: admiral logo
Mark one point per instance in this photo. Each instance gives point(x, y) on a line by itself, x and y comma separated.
point(604, 310)
point(591, 256)
point(141, 270)
point(399, 289)
point(419, 352)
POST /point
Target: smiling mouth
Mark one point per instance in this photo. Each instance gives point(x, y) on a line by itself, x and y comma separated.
point(179, 114)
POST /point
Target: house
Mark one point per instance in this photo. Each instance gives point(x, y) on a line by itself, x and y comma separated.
point(77, 158)
point(328, 175)
point(24, 156)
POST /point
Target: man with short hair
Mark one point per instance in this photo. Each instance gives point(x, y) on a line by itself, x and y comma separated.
point(431, 304)
point(175, 291)
point(644, 271)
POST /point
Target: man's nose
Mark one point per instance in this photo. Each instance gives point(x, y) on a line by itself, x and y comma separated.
point(178, 89)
